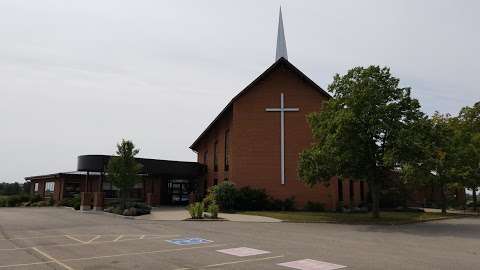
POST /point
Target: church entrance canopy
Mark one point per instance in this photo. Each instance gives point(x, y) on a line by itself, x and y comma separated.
point(151, 167)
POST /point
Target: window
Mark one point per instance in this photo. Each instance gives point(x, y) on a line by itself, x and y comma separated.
point(352, 190)
point(205, 157)
point(227, 155)
point(362, 191)
point(49, 187)
point(340, 190)
point(215, 181)
point(35, 188)
point(215, 158)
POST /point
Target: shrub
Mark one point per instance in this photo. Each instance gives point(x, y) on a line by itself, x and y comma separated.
point(274, 204)
point(314, 207)
point(132, 211)
point(225, 195)
point(251, 199)
point(132, 208)
point(213, 210)
point(17, 200)
point(140, 208)
point(117, 211)
point(73, 202)
point(229, 198)
point(50, 201)
point(209, 199)
point(40, 204)
point(196, 210)
point(340, 206)
point(287, 204)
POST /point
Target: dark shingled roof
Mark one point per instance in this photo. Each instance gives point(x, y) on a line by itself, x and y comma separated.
point(278, 63)
point(96, 164)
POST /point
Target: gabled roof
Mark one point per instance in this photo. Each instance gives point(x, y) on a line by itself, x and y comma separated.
point(278, 63)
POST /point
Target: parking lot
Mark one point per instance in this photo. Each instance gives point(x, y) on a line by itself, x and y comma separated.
point(59, 238)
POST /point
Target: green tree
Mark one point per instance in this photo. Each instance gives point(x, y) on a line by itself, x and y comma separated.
point(438, 159)
point(123, 170)
point(468, 134)
point(364, 131)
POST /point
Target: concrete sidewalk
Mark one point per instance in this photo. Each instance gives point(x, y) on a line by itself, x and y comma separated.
point(452, 211)
point(180, 213)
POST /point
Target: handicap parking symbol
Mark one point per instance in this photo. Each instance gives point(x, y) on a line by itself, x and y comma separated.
point(189, 241)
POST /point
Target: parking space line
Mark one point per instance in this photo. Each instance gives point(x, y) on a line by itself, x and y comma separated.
point(76, 239)
point(46, 255)
point(61, 262)
point(118, 238)
point(142, 253)
point(32, 237)
point(94, 243)
point(233, 262)
point(59, 235)
point(25, 264)
point(93, 239)
point(243, 261)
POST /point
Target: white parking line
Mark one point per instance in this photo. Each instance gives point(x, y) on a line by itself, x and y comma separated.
point(46, 255)
point(142, 253)
point(31, 237)
point(76, 239)
point(93, 239)
point(118, 238)
point(52, 260)
point(56, 236)
point(243, 261)
point(94, 243)
point(235, 262)
point(25, 264)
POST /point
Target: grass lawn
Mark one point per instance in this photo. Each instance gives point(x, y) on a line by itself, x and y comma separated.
point(353, 218)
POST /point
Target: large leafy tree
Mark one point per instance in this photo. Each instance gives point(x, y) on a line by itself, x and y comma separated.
point(438, 158)
point(123, 170)
point(364, 131)
point(468, 134)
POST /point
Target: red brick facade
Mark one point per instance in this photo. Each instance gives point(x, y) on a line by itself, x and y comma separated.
point(254, 138)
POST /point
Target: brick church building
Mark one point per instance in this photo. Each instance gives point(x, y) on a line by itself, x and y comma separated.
point(245, 145)
point(257, 138)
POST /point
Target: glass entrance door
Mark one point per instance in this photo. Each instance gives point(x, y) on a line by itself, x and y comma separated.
point(178, 191)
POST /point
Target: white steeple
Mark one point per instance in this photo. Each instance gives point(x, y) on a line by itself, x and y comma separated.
point(281, 43)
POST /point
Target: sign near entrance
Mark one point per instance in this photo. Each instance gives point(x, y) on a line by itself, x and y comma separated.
point(189, 241)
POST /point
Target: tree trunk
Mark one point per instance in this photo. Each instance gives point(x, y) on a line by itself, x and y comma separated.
point(443, 196)
point(375, 191)
point(123, 198)
point(474, 197)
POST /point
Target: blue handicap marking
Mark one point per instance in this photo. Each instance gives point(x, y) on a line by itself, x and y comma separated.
point(189, 241)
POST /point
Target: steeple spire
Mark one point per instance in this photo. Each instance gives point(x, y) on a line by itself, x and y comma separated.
point(281, 43)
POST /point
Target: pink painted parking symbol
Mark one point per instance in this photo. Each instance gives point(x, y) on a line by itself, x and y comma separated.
point(243, 251)
point(309, 264)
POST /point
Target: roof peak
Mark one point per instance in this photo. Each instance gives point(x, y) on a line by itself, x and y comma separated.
point(281, 43)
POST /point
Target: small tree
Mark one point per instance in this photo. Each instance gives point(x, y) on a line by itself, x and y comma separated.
point(364, 131)
point(123, 170)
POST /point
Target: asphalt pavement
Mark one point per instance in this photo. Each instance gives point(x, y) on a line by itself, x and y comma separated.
point(60, 238)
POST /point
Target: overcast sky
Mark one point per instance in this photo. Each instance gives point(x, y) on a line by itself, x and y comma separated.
point(78, 76)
